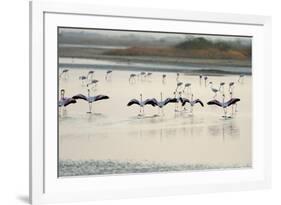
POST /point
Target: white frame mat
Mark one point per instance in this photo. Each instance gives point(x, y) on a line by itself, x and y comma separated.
point(46, 187)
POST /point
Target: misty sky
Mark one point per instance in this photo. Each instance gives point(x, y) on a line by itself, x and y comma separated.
point(149, 35)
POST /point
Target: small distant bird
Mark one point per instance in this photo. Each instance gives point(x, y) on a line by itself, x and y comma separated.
point(188, 87)
point(108, 74)
point(205, 79)
point(83, 79)
point(200, 79)
point(64, 74)
point(221, 88)
point(231, 87)
point(148, 74)
point(241, 78)
point(65, 101)
point(162, 102)
point(132, 78)
point(90, 99)
point(143, 75)
point(141, 103)
point(93, 82)
point(191, 102)
point(215, 90)
point(164, 76)
point(224, 104)
point(90, 75)
point(179, 84)
point(178, 77)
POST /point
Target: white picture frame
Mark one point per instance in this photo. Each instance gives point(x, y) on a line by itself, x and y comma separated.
point(46, 187)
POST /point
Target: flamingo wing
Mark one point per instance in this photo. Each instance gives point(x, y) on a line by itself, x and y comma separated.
point(200, 102)
point(69, 101)
point(232, 101)
point(133, 101)
point(184, 101)
point(80, 96)
point(101, 97)
point(170, 100)
point(152, 102)
point(214, 102)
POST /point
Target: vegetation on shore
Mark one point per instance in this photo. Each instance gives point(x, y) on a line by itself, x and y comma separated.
point(191, 48)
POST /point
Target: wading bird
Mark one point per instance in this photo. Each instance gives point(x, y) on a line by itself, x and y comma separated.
point(179, 84)
point(164, 76)
point(241, 78)
point(132, 78)
point(231, 87)
point(215, 90)
point(179, 99)
point(178, 77)
point(90, 99)
point(64, 74)
point(188, 87)
point(141, 103)
point(90, 75)
point(160, 104)
point(93, 82)
point(83, 79)
point(233, 105)
point(221, 88)
point(142, 75)
point(191, 102)
point(65, 101)
point(205, 79)
point(200, 79)
point(224, 104)
point(108, 74)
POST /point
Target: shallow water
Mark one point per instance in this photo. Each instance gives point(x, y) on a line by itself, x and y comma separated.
point(116, 132)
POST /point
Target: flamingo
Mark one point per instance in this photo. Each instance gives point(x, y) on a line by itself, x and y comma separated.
point(188, 86)
point(141, 103)
point(93, 82)
point(179, 99)
point(235, 104)
point(221, 88)
point(231, 87)
point(64, 73)
point(178, 76)
point(179, 84)
point(200, 79)
point(215, 90)
point(83, 79)
point(143, 74)
point(108, 74)
point(65, 101)
point(164, 76)
point(240, 79)
point(148, 74)
point(162, 102)
point(90, 99)
point(191, 102)
point(224, 104)
point(205, 79)
point(90, 74)
point(132, 77)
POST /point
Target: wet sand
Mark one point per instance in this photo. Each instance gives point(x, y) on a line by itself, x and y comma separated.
point(115, 132)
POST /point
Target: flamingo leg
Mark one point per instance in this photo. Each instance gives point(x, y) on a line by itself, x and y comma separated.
point(191, 109)
point(225, 112)
point(162, 111)
point(90, 108)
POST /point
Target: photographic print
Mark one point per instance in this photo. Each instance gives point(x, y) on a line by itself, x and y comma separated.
point(144, 102)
